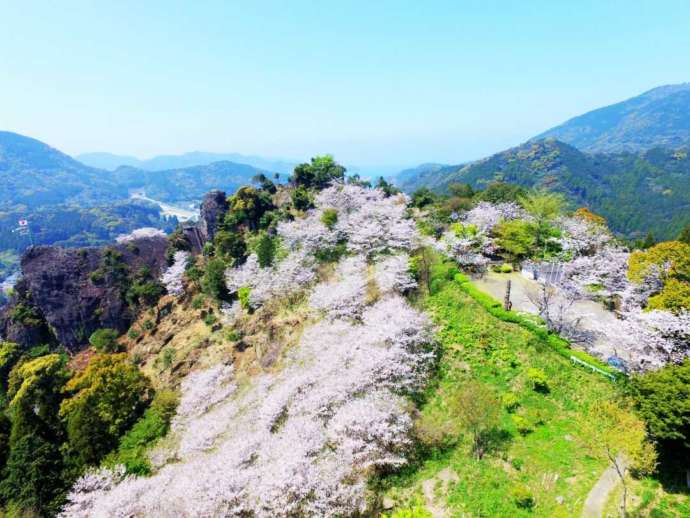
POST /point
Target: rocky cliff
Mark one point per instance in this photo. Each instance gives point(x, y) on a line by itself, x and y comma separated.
point(64, 295)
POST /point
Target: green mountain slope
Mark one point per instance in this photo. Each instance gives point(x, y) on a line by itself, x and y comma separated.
point(637, 193)
point(189, 183)
point(659, 117)
point(34, 174)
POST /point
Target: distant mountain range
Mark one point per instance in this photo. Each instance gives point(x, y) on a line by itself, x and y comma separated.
point(34, 175)
point(111, 162)
point(657, 118)
point(628, 162)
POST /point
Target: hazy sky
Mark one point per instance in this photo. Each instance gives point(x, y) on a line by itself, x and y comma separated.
point(372, 82)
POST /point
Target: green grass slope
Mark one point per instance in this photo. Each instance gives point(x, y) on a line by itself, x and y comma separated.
point(550, 462)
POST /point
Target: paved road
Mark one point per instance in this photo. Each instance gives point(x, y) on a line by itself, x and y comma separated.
point(590, 312)
point(599, 495)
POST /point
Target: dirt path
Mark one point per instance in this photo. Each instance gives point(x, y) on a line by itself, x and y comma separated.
point(599, 494)
point(435, 505)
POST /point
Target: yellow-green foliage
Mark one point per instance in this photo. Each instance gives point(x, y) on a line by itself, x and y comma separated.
point(26, 380)
point(461, 230)
point(410, 512)
point(105, 400)
point(9, 353)
point(675, 296)
point(244, 294)
point(672, 254)
point(329, 217)
point(517, 237)
point(672, 260)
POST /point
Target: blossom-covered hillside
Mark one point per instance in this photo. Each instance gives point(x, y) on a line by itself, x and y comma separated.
point(306, 348)
point(302, 440)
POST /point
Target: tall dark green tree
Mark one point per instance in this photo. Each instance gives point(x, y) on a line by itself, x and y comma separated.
point(265, 250)
point(213, 280)
point(317, 174)
point(33, 478)
point(662, 398)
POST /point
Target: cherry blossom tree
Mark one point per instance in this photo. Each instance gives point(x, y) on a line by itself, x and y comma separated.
point(172, 277)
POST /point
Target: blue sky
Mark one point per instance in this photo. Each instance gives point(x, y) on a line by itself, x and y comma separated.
point(395, 83)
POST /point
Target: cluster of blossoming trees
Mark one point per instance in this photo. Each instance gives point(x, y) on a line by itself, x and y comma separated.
point(590, 265)
point(302, 441)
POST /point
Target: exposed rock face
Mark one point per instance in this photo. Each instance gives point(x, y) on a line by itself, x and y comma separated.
point(214, 206)
point(73, 292)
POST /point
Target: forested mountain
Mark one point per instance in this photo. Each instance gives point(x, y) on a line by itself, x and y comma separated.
point(34, 174)
point(659, 117)
point(636, 192)
point(189, 183)
point(111, 161)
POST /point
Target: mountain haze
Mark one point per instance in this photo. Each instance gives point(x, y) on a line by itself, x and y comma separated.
point(659, 117)
point(111, 161)
point(37, 175)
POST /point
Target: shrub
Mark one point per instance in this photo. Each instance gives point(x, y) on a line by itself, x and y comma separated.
point(105, 340)
point(198, 301)
point(192, 271)
point(133, 334)
point(265, 251)
point(244, 296)
point(522, 497)
point(331, 254)
point(168, 357)
point(301, 199)
point(97, 276)
point(208, 250)
point(422, 197)
point(25, 314)
point(233, 335)
point(230, 245)
point(510, 401)
point(522, 425)
point(153, 425)
point(146, 293)
point(329, 217)
point(318, 173)
point(148, 324)
point(517, 238)
point(537, 377)
point(213, 281)
point(517, 463)
point(409, 512)
point(210, 319)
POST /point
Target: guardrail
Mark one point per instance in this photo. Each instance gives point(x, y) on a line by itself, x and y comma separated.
point(594, 368)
